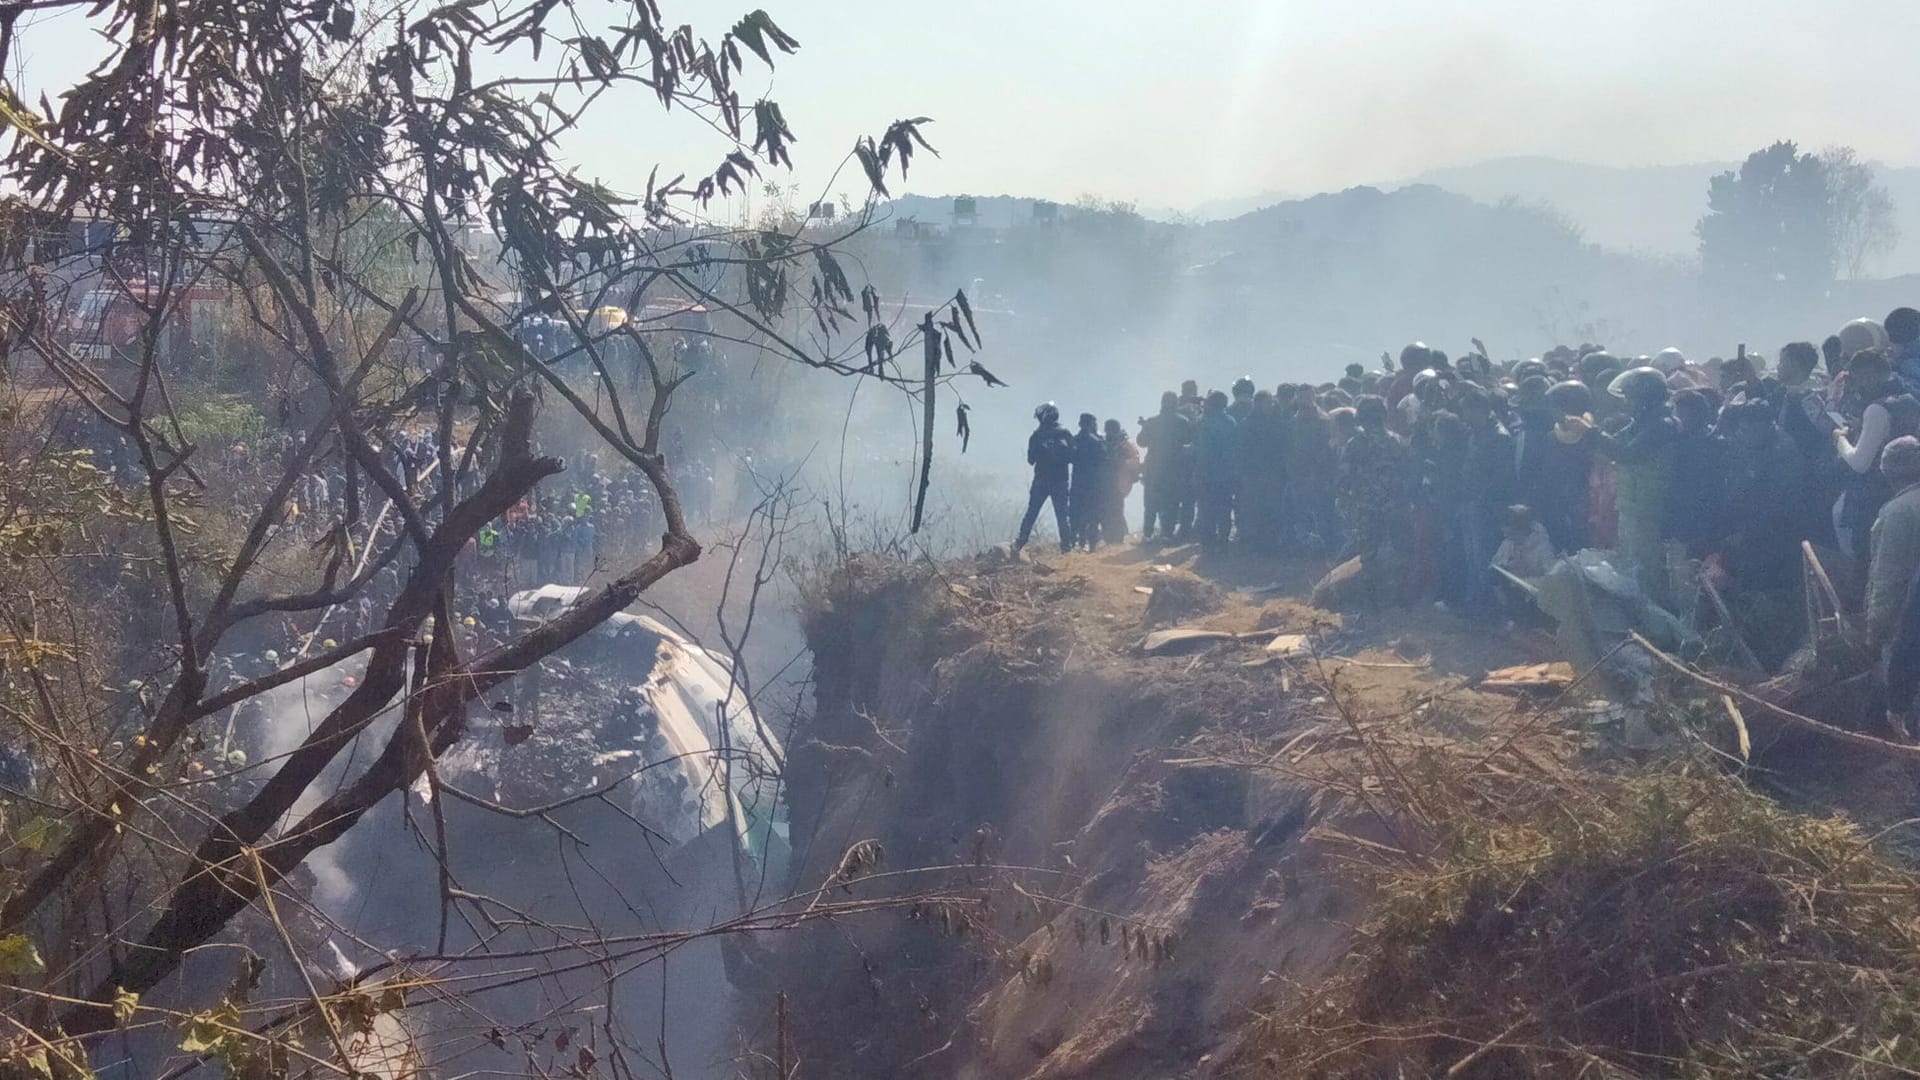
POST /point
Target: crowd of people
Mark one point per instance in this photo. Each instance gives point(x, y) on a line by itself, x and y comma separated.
point(1436, 470)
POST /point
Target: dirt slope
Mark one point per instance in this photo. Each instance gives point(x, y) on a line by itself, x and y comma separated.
point(1135, 898)
point(1351, 860)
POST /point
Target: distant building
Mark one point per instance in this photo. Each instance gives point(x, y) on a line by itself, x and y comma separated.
point(915, 229)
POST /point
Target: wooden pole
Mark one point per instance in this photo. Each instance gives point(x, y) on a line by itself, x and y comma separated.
point(780, 1037)
point(930, 346)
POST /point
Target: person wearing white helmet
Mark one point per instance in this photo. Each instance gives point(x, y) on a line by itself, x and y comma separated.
point(1669, 360)
point(1859, 335)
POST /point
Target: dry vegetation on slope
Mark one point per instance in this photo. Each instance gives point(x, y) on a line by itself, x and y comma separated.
point(1351, 862)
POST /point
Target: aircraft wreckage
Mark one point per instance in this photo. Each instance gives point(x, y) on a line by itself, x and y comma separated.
point(713, 777)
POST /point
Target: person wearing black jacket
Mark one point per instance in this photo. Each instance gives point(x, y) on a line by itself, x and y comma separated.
point(1696, 499)
point(1487, 487)
point(1551, 473)
point(1050, 452)
point(1167, 437)
point(1086, 503)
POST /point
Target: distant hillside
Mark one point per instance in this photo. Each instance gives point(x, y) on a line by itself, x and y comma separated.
point(1300, 287)
point(1224, 209)
point(1647, 208)
point(1353, 268)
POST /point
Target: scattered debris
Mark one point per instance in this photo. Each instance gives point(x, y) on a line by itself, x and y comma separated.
point(1180, 596)
point(1287, 645)
point(1182, 640)
point(1530, 678)
point(1355, 585)
point(1597, 609)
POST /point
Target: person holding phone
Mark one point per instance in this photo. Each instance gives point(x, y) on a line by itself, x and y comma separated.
point(1803, 408)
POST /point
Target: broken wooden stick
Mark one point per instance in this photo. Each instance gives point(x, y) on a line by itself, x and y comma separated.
point(1827, 592)
point(1739, 727)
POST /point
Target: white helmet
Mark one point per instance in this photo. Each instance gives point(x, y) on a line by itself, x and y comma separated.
point(1861, 334)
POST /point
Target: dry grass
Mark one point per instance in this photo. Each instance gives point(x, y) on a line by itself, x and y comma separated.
point(1538, 919)
point(1536, 906)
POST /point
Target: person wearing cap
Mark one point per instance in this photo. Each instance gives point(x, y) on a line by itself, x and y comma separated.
point(1895, 559)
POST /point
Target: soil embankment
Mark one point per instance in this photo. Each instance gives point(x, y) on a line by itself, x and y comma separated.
point(1299, 845)
point(1139, 889)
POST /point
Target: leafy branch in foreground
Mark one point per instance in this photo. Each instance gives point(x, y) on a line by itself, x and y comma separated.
point(317, 174)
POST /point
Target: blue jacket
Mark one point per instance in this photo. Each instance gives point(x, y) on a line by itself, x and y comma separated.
point(1216, 444)
point(1906, 368)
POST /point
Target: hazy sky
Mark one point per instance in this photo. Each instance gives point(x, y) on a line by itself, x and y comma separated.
point(1172, 104)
